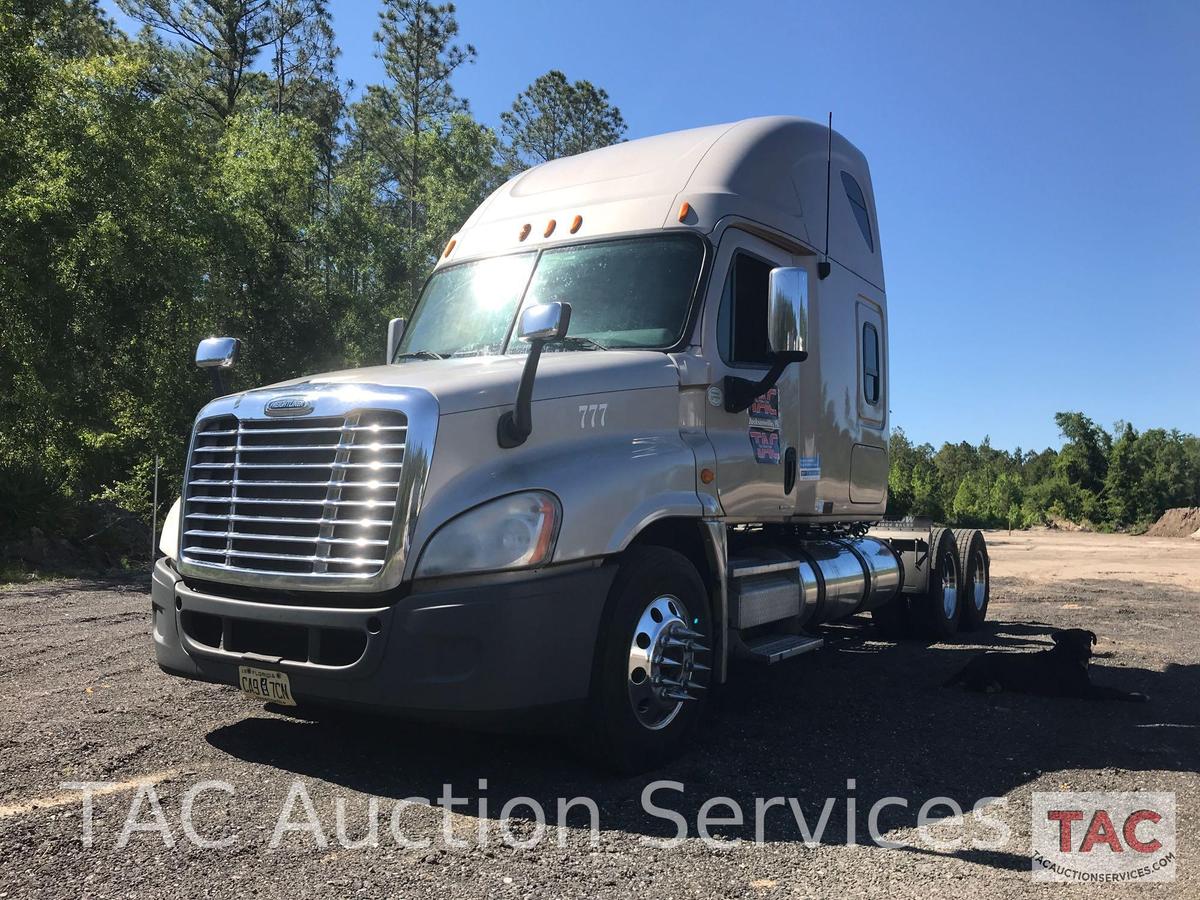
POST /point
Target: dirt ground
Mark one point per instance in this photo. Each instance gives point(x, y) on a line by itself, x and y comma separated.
point(861, 720)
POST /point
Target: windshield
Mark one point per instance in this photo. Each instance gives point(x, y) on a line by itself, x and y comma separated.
point(627, 293)
point(466, 310)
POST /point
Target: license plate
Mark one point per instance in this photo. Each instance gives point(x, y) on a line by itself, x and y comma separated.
point(263, 684)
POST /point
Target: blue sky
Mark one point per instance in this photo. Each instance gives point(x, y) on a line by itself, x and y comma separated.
point(1036, 169)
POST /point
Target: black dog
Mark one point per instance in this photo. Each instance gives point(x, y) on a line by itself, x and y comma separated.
point(1061, 671)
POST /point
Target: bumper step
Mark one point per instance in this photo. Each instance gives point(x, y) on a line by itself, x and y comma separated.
point(775, 648)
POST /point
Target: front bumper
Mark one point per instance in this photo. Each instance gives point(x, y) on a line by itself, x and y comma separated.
point(496, 647)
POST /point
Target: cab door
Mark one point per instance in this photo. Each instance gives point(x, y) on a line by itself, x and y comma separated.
point(756, 448)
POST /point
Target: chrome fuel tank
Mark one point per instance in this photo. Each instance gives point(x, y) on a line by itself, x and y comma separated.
point(812, 582)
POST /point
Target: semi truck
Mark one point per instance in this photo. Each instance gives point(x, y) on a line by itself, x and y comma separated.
point(633, 436)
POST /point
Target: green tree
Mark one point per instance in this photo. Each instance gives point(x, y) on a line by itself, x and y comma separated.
point(555, 117)
point(408, 129)
point(302, 53)
point(220, 41)
point(99, 261)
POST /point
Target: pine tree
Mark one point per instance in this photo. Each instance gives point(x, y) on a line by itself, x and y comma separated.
point(554, 117)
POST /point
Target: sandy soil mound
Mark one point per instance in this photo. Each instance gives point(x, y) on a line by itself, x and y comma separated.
point(1183, 521)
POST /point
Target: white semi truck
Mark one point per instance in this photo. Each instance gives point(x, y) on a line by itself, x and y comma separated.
point(636, 429)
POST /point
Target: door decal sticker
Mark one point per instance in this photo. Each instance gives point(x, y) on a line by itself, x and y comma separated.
point(764, 411)
point(764, 428)
point(808, 468)
point(765, 442)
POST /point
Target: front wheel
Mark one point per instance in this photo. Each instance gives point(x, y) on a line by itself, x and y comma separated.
point(653, 666)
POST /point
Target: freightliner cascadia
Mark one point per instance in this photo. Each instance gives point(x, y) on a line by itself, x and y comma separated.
point(635, 430)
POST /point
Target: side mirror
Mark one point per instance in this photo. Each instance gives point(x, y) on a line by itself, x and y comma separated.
point(396, 329)
point(787, 311)
point(539, 324)
point(219, 352)
point(787, 334)
point(545, 322)
point(218, 355)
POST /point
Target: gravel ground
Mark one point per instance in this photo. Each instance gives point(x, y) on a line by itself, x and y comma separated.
point(83, 701)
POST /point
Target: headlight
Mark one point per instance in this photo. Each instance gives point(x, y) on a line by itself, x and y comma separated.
point(513, 532)
point(168, 541)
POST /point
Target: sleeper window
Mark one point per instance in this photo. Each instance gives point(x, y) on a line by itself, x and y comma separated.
point(858, 203)
point(870, 362)
point(742, 321)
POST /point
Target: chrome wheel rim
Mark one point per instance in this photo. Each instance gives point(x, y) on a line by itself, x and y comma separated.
point(949, 587)
point(662, 670)
point(980, 580)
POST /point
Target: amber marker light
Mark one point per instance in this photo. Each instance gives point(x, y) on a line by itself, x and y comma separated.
point(576, 223)
point(684, 211)
point(549, 228)
point(707, 475)
point(449, 248)
point(525, 229)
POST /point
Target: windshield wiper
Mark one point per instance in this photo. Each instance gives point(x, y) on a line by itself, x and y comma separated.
point(578, 342)
point(420, 354)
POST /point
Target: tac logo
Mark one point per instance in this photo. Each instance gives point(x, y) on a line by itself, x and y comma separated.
point(1104, 837)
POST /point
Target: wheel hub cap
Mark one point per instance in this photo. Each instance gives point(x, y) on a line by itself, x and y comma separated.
point(663, 668)
point(949, 587)
point(980, 583)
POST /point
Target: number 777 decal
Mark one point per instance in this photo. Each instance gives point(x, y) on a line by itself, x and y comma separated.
point(588, 413)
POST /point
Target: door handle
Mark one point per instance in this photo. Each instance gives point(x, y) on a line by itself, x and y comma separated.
point(789, 470)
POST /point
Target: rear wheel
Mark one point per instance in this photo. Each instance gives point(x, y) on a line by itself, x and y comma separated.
point(975, 587)
point(941, 606)
point(653, 667)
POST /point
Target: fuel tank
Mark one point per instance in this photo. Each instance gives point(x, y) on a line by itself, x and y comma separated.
point(812, 581)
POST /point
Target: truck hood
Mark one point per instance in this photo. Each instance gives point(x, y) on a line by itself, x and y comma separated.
point(472, 383)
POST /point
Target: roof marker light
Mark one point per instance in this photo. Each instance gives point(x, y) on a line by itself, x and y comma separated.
point(684, 211)
point(524, 232)
point(449, 248)
point(576, 223)
point(549, 228)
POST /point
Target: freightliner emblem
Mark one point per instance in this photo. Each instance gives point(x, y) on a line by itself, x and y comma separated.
point(288, 406)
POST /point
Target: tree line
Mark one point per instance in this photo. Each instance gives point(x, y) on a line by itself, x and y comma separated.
point(1124, 479)
point(212, 174)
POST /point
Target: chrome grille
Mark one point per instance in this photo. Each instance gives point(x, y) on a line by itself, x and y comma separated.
point(312, 496)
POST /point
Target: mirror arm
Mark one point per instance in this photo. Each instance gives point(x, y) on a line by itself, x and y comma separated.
point(741, 392)
point(220, 382)
point(516, 425)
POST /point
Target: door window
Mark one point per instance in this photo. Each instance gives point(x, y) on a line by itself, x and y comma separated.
point(742, 321)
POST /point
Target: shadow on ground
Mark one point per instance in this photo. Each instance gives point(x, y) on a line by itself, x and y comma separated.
point(862, 709)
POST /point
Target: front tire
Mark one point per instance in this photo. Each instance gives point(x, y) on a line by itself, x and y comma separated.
point(653, 665)
point(941, 606)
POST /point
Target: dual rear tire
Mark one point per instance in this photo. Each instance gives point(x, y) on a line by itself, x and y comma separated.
point(940, 609)
point(957, 595)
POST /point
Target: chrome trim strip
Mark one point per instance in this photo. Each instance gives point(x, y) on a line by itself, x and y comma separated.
point(716, 546)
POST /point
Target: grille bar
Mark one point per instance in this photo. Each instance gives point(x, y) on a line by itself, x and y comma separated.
point(326, 487)
point(263, 554)
point(298, 447)
point(373, 523)
point(287, 538)
point(305, 484)
point(318, 501)
point(373, 466)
